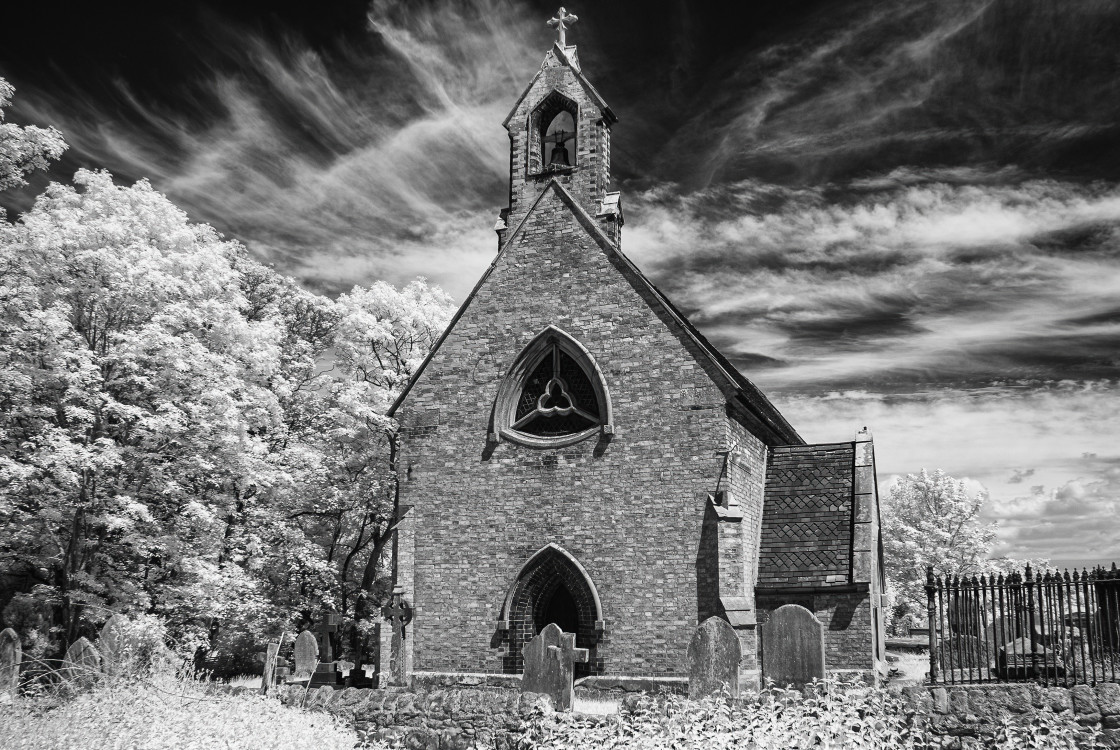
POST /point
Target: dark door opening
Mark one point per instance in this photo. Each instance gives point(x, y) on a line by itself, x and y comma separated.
point(560, 609)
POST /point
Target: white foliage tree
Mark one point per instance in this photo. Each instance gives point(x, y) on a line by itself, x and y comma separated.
point(24, 149)
point(930, 519)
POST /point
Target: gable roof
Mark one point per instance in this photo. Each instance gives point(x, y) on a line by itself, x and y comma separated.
point(600, 102)
point(807, 517)
point(747, 393)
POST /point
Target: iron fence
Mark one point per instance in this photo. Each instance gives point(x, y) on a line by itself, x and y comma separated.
point(1055, 628)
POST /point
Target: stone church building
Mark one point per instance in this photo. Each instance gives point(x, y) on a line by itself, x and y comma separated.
point(574, 451)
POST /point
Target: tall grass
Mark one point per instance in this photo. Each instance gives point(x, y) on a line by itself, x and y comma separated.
point(163, 712)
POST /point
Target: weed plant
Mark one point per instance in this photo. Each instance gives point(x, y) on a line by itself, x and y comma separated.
point(164, 712)
point(830, 716)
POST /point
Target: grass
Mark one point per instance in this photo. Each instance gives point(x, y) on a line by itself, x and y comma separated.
point(912, 668)
point(165, 713)
point(595, 706)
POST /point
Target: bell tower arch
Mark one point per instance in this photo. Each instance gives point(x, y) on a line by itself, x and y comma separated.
point(560, 129)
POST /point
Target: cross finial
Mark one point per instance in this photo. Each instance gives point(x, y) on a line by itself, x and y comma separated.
point(561, 22)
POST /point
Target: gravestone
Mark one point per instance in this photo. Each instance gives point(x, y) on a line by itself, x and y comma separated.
point(82, 663)
point(713, 659)
point(792, 647)
point(118, 644)
point(344, 667)
point(11, 654)
point(268, 675)
point(399, 614)
point(325, 671)
point(306, 655)
point(549, 665)
point(1017, 661)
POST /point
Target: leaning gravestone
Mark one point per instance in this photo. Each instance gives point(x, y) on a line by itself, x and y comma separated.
point(82, 662)
point(549, 665)
point(11, 654)
point(792, 647)
point(306, 655)
point(713, 659)
point(118, 644)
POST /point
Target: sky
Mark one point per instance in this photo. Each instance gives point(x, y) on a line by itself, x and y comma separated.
point(901, 214)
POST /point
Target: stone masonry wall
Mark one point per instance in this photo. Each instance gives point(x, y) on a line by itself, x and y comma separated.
point(963, 715)
point(630, 509)
point(449, 718)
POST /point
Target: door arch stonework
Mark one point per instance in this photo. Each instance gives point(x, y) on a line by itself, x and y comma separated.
point(552, 583)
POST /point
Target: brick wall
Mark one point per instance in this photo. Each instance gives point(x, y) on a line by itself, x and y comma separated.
point(629, 509)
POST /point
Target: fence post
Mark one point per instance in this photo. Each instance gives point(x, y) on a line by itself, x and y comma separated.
point(931, 614)
point(1031, 621)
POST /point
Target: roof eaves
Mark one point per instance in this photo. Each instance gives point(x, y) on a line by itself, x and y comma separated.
point(466, 303)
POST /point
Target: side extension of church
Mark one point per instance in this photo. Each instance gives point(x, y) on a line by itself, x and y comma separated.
point(574, 451)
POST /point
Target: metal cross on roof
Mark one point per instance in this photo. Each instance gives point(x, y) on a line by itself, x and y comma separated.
point(561, 22)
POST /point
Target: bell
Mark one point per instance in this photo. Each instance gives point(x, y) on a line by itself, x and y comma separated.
point(559, 156)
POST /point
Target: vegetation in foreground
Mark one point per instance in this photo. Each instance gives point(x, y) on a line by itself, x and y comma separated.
point(165, 712)
point(839, 717)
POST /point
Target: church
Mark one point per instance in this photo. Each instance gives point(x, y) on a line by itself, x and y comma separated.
point(574, 451)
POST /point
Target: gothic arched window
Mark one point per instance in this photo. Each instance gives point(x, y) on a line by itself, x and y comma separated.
point(553, 395)
point(553, 129)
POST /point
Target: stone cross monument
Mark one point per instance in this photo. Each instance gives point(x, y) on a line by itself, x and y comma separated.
point(399, 614)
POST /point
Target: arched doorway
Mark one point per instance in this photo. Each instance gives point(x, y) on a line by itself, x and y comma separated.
point(552, 587)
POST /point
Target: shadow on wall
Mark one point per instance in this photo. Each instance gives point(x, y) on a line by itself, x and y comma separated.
point(707, 568)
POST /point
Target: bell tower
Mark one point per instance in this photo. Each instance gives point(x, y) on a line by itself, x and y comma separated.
point(560, 130)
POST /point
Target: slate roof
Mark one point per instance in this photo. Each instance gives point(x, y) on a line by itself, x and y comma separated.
point(807, 516)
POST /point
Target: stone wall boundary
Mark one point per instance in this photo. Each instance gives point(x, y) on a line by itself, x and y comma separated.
point(453, 718)
point(969, 712)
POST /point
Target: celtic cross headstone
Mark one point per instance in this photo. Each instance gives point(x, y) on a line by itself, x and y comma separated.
point(399, 614)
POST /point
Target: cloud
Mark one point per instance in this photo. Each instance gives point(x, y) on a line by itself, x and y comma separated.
point(984, 435)
point(835, 287)
point(856, 208)
point(380, 162)
point(861, 88)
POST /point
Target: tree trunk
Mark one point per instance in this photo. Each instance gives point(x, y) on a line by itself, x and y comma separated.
point(69, 611)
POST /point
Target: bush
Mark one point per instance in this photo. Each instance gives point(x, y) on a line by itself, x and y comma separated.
point(832, 716)
point(167, 713)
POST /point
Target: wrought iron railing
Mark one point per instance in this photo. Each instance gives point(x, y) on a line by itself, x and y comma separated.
point(1055, 628)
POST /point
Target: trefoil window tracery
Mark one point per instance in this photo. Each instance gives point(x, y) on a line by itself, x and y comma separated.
point(554, 395)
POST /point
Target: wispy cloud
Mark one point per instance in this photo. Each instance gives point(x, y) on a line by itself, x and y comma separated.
point(381, 162)
point(885, 214)
point(837, 287)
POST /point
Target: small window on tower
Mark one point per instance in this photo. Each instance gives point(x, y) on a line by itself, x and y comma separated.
point(560, 141)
